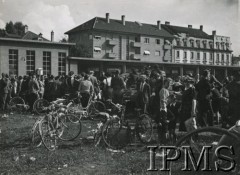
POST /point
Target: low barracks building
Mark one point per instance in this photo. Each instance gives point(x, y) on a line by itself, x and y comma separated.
point(119, 44)
point(20, 55)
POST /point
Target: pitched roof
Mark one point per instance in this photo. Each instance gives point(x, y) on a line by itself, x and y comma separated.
point(32, 36)
point(117, 26)
point(197, 33)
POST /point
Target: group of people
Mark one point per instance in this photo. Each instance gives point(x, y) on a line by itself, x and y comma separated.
point(190, 101)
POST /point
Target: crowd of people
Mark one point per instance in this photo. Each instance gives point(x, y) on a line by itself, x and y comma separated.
point(192, 102)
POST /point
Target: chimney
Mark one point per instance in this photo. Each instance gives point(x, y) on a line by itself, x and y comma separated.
point(201, 27)
point(52, 36)
point(25, 29)
point(159, 25)
point(167, 23)
point(107, 18)
point(190, 26)
point(40, 35)
point(123, 20)
point(214, 32)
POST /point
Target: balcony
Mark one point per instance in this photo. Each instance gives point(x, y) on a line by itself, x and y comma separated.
point(112, 55)
point(166, 47)
point(136, 57)
point(135, 44)
point(111, 42)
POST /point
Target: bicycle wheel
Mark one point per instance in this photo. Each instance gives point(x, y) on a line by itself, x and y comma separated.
point(95, 108)
point(144, 128)
point(115, 134)
point(48, 135)
point(40, 106)
point(194, 144)
point(71, 127)
point(36, 136)
point(16, 103)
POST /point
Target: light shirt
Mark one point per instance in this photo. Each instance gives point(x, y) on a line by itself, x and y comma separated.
point(107, 81)
point(164, 94)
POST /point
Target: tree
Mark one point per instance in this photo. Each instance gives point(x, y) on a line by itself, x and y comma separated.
point(10, 28)
point(16, 28)
point(20, 28)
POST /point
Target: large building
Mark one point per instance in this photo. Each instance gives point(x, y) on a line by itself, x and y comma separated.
point(20, 55)
point(111, 44)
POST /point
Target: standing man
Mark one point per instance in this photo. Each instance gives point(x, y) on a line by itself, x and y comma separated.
point(118, 85)
point(234, 98)
point(94, 81)
point(5, 86)
point(203, 88)
point(86, 90)
point(144, 93)
point(161, 118)
point(33, 91)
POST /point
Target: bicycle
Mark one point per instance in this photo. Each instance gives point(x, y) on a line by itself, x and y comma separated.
point(93, 108)
point(117, 132)
point(58, 124)
point(211, 137)
point(17, 104)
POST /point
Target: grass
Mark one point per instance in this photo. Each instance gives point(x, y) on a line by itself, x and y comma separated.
point(17, 156)
point(80, 156)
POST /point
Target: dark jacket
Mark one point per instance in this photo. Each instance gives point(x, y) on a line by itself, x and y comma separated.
point(5, 86)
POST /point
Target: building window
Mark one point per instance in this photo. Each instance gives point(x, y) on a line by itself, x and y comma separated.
point(204, 44)
point(185, 43)
point(185, 55)
point(217, 60)
point(192, 55)
point(198, 43)
point(217, 45)
point(205, 57)
point(223, 48)
point(146, 40)
point(30, 61)
point(46, 63)
point(178, 54)
point(222, 58)
point(137, 39)
point(137, 51)
point(178, 43)
point(157, 53)
point(198, 55)
point(157, 41)
point(211, 45)
point(211, 57)
point(61, 63)
point(90, 36)
point(13, 62)
point(192, 43)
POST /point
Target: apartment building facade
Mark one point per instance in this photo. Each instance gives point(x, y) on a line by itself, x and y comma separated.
point(21, 55)
point(121, 42)
point(194, 46)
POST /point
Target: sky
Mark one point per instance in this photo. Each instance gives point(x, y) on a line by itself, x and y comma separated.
point(43, 16)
